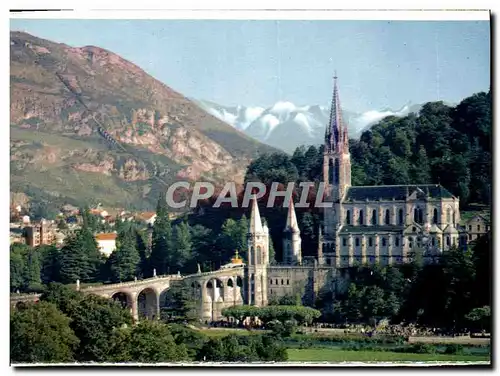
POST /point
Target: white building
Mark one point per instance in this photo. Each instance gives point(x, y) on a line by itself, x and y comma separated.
point(106, 243)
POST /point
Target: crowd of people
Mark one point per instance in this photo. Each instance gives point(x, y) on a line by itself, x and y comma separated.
point(405, 330)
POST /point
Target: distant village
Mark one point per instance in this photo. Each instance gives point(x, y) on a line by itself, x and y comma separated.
point(25, 230)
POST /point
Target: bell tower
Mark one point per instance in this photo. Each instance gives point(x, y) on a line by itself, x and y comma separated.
point(336, 178)
point(258, 259)
point(336, 157)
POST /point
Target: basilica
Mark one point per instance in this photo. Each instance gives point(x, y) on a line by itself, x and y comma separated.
point(363, 225)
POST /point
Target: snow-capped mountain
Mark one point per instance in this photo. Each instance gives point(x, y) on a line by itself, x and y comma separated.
point(287, 126)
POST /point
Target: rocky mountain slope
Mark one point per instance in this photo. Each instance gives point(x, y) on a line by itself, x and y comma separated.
point(68, 107)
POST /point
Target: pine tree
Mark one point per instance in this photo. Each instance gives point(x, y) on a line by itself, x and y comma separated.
point(182, 245)
point(124, 261)
point(162, 235)
point(421, 169)
point(80, 258)
point(144, 253)
point(33, 267)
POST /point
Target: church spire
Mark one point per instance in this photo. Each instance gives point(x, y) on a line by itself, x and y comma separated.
point(336, 137)
point(291, 219)
point(255, 221)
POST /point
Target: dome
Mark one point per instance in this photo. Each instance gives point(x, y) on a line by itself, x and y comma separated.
point(236, 259)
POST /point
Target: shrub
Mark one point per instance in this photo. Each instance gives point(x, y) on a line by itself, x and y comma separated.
point(454, 348)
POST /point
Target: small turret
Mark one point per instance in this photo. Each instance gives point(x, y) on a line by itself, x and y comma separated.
point(292, 252)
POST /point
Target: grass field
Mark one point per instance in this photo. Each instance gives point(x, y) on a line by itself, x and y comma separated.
point(333, 355)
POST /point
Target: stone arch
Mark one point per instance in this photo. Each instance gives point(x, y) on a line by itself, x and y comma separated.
point(123, 298)
point(218, 290)
point(239, 281)
point(148, 303)
point(230, 283)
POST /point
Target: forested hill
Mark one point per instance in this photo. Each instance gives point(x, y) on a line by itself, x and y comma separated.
point(440, 144)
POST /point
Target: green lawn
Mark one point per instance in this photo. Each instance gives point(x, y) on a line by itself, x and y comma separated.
point(334, 355)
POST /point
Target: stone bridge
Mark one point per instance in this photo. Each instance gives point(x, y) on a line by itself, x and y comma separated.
point(212, 291)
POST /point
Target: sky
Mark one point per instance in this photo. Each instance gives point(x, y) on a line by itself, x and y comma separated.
point(379, 64)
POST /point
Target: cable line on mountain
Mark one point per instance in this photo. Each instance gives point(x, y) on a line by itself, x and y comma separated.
point(101, 130)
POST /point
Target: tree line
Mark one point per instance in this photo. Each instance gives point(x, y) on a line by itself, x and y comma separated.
point(452, 293)
point(89, 328)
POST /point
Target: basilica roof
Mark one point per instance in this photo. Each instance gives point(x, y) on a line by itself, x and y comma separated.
point(396, 192)
point(370, 229)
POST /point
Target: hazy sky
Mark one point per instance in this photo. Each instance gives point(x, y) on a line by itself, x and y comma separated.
point(380, 64)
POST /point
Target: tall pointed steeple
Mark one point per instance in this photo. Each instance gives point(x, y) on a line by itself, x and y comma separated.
point(255, 225)
point(336, 157)
point(292, 252)
point(291, 219)
point(336, 131)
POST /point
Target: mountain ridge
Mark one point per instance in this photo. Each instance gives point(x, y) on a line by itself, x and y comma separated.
point(83, 102)
point(286, 126)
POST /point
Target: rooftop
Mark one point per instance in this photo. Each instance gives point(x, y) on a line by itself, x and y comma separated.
point(106, 236)
point(396, 192)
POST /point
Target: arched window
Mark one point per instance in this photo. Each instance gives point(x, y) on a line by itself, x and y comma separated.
point(411, 242)
point(344, 242)
point(370, 241)
point(453, 217)
point(383, 242)
point(337, 169)
point(281, 281)
point(448, 216)
point(276, 282)
point(433, 241)
point(397, 241)
point(374, 217)
point(357, 242)
point(360, 219)
point(287, 281)
point(401, 218)
point(448, 241)
point(270, 281)
point(387, 217)
point(435, 216)
point(259, 255)
point(331, 172)
point(348, 217)
point(418, 215)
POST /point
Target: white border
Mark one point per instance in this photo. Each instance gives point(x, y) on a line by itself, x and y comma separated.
point(298, 14)
point(84, 10)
